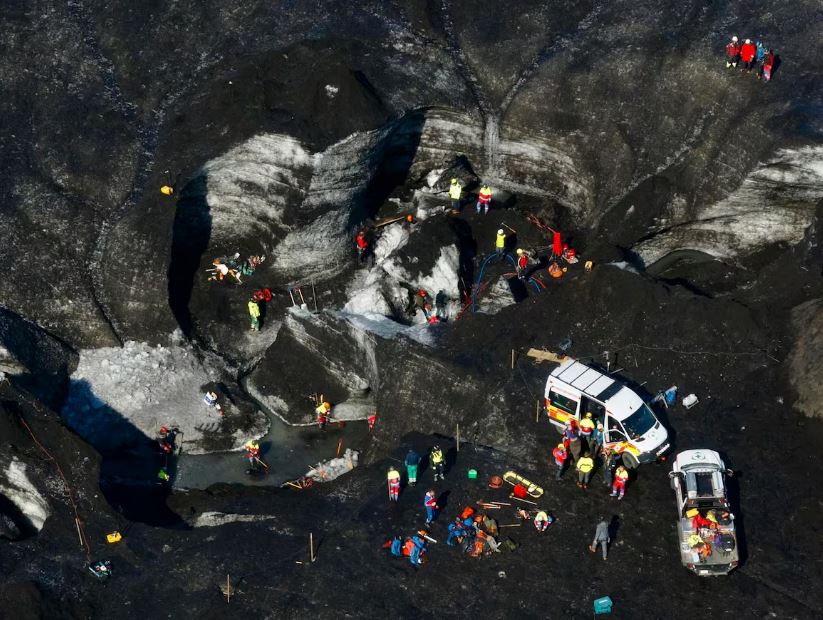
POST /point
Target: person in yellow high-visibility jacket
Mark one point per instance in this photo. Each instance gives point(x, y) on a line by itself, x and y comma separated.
point(500, 242)
point(455, 191)
point(254, 313)
point(585, 465)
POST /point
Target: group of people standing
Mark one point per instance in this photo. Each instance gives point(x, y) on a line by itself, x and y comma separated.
point(583, 443)
point(750, 55)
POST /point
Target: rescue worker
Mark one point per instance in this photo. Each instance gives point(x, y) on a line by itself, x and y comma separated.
point(601, 536)
point(522, 263)
point(441, 300)
point(760, 50)
point(393, 477)
point(430, 503)
point(167, 439)
point(254, 313)
point(732, 53)
point(500, 242)
point(163, 474)
point(252, 452)
point(542, 520)
point(456, 531)
point(596, 441)
point(484, 199)
point(455, 191)
point(437, 461)
point(395, 546)
point(611, 459)
point(619, 484)
point(587, 430)
point(561, 457)
point(418, 548)
point(571, 437)
point(768, 65)
point(372, 419)
point(323, 411)
point(362, 245)
point(748, 51)
point(412, 461)
point(422, 301)
point(584, 470)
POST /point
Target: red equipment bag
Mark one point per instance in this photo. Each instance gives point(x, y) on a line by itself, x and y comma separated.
point(520, 491)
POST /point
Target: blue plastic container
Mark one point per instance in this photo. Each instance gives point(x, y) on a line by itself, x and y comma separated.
point(603, 605)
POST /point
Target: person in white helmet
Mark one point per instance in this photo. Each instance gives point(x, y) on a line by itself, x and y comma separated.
point(732, 53)
point(500, 242)
point(748, 52)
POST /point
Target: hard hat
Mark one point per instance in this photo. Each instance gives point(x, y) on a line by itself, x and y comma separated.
point(520, 251)
point(454, 180)
point(600, 425)
point(561, 445)
point(748, 40)
point(734, 39)
point(421, 292)
point(589, 414)
point(435, 448)
point(692, 513)
point(500, 231)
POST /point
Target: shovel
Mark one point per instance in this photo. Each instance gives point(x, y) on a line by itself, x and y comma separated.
point(303, 305)
point(292, 298)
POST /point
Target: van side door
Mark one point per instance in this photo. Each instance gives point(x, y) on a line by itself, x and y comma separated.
point(561, 407)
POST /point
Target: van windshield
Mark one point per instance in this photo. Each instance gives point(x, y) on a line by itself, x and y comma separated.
point(639, 423)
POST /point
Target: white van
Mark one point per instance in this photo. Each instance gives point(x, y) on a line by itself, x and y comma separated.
point(574, 389)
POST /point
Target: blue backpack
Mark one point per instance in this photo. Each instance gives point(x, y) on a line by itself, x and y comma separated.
point(397, 546)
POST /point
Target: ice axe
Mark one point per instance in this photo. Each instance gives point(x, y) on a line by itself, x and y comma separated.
point(292, 298)
point(262, 463)
point(509, 227)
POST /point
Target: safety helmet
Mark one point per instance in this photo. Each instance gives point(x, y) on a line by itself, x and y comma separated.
point(500, 231)
point(600, 425)
point(421, 292)
point(748, 40)
point(435, 448)
point(734, 39)
point(422, 532)
point(589, 414)
point(454, 180)
point(561, 445)
point(520, 251)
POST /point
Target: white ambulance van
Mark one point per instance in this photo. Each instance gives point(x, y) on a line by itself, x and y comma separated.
point(630, 427)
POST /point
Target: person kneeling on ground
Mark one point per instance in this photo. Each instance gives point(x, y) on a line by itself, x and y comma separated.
point(542, 521)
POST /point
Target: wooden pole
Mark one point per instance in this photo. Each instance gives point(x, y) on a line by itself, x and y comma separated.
point(314, 295)
point(512, 359)
point(537, 412)
point(79, 535)
point(311, 546)
point(339, 445)
point(458, 438)
point(228, 589)
point(522, 500)
point(510, 525)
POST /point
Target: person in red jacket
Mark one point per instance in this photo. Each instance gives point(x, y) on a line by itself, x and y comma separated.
point(747, 53)
point(732, 53)
point(522, 263)
point(362, 246)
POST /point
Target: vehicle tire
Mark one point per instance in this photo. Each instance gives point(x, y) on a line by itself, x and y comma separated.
point(630, 460)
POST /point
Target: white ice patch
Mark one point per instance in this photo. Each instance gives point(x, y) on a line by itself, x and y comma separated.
point(214, 519)
point(774, 204)
point(434, 176)
point(334, 468)
point(143, 387)
point(17, 487)
point(331, 91)
point(249, 187)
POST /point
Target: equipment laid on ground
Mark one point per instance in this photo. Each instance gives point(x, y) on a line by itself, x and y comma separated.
point(531, 488)
point(630, 428)
point(602, 605)
point(114, 537)
point(690, 401)
point(472, 473)
point(101, 569)
point(705, 524)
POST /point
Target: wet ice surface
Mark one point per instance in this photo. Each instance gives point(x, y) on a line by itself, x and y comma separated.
point(290, 452)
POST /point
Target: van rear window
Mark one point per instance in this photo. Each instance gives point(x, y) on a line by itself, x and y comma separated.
point(563, 403)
